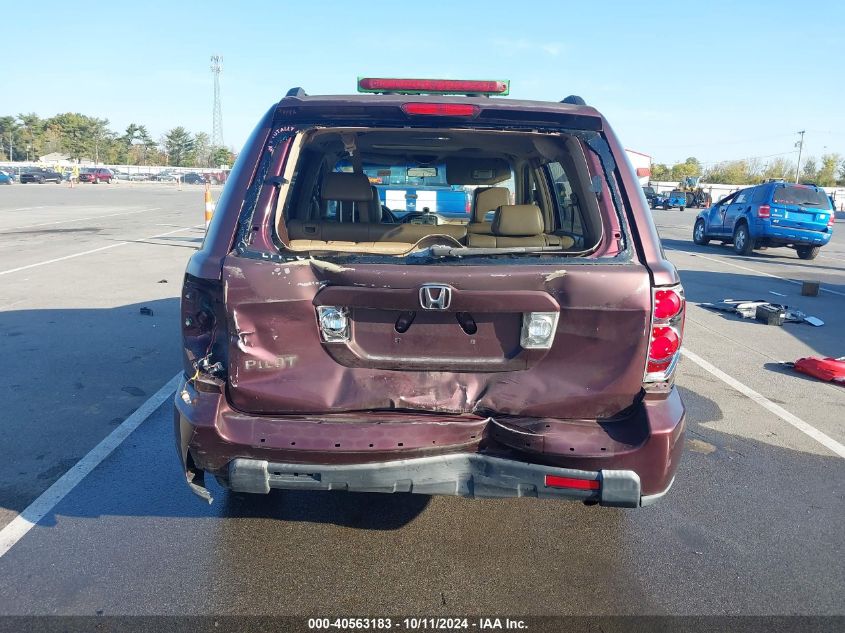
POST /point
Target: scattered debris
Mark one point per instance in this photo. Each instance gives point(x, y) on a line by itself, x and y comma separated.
point(747, 309)
point(770, 314)
point(162, 281)
point(827, 369)
point(810, 289)
point(146, 311)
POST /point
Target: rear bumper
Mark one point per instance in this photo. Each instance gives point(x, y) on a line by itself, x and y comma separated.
point(628, 463)
point(767, 232)
point(462, 474)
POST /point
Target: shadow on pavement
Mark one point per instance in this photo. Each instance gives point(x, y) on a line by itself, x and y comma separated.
point(362, 511)
point(70, 376)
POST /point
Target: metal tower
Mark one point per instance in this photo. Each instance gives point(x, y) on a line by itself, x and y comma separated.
point(217, 124)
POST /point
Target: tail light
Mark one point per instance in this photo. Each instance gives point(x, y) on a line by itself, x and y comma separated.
point(667, 326)
point(441, 109)
point(764, 211)
point(468, 206)
point(832, 219)
point(203, 331)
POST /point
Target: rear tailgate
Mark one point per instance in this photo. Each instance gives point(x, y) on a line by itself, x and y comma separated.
point(800, 207)
point(278, 362)
point(797, 217)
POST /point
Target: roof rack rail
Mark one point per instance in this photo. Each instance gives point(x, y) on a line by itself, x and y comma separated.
point(296, 92)
point(574, 100)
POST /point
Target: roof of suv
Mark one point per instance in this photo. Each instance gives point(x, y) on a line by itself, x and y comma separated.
point(489, 107)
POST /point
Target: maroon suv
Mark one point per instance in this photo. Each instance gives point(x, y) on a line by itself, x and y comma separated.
point(336, 340)
point(96, 175)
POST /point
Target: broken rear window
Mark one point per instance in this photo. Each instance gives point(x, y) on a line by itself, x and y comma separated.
point(399, 191)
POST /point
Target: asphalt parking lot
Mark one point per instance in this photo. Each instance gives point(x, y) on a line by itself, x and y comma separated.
point(752, 526)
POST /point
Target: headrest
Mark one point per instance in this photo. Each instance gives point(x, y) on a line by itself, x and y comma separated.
point(488, 199)
point(346, 186)
point(518, 220)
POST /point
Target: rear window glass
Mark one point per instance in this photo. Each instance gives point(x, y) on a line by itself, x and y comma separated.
point(804, 196)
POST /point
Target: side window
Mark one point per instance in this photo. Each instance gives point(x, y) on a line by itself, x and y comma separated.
point(742, 197)
point(569, 210)
point(759, 195)
point(330, 212)
point(726, 201)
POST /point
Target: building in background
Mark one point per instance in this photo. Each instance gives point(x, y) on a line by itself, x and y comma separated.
point(642, 165)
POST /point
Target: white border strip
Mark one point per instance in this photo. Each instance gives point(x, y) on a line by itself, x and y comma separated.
point(48, 499)
point(811, 431)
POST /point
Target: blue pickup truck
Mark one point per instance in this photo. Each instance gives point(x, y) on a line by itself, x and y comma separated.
point(768, 215)
point(415, 190)
point(670, 200)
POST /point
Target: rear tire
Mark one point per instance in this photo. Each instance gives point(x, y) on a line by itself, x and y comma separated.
point(699, 233)
point(808, 252)
point(743, 243)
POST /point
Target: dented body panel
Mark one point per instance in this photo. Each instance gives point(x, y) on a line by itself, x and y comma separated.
point(277, 362)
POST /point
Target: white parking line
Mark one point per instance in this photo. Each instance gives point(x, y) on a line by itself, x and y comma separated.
point(753, 270)
point(94, 250)
point(91, 217)
point(807, 429)
point(48, 499)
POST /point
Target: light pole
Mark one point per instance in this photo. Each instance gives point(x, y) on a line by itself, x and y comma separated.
point(800, 145)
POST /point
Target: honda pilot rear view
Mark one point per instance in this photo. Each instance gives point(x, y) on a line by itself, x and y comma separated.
point(338, 337)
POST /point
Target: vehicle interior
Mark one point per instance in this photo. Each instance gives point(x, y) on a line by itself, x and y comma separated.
point(526, 190)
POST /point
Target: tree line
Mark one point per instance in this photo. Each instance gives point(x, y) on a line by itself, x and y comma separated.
point(28, 136)
point(828, 171)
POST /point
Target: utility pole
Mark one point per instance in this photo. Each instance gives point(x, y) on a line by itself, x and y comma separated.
point(217, 114)
point(800, 145)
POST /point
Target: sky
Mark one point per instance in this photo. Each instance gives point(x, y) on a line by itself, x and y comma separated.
point(715, 80)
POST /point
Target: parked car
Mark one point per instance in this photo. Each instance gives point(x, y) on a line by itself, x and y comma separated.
point(138, 177)
point(40, 175)
point(676, 199)
point(328, 345)
point(96, 175)
point(5, 179)
point(660, 201)
point(769, 215)
point(167, 176)
point(193, 178)
point(650, 194)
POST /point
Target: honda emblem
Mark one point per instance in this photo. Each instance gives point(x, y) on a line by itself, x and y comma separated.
point(435, 297)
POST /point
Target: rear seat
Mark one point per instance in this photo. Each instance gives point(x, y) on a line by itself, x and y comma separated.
point(368, 234)
point(485, 200)
point(517, 225)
